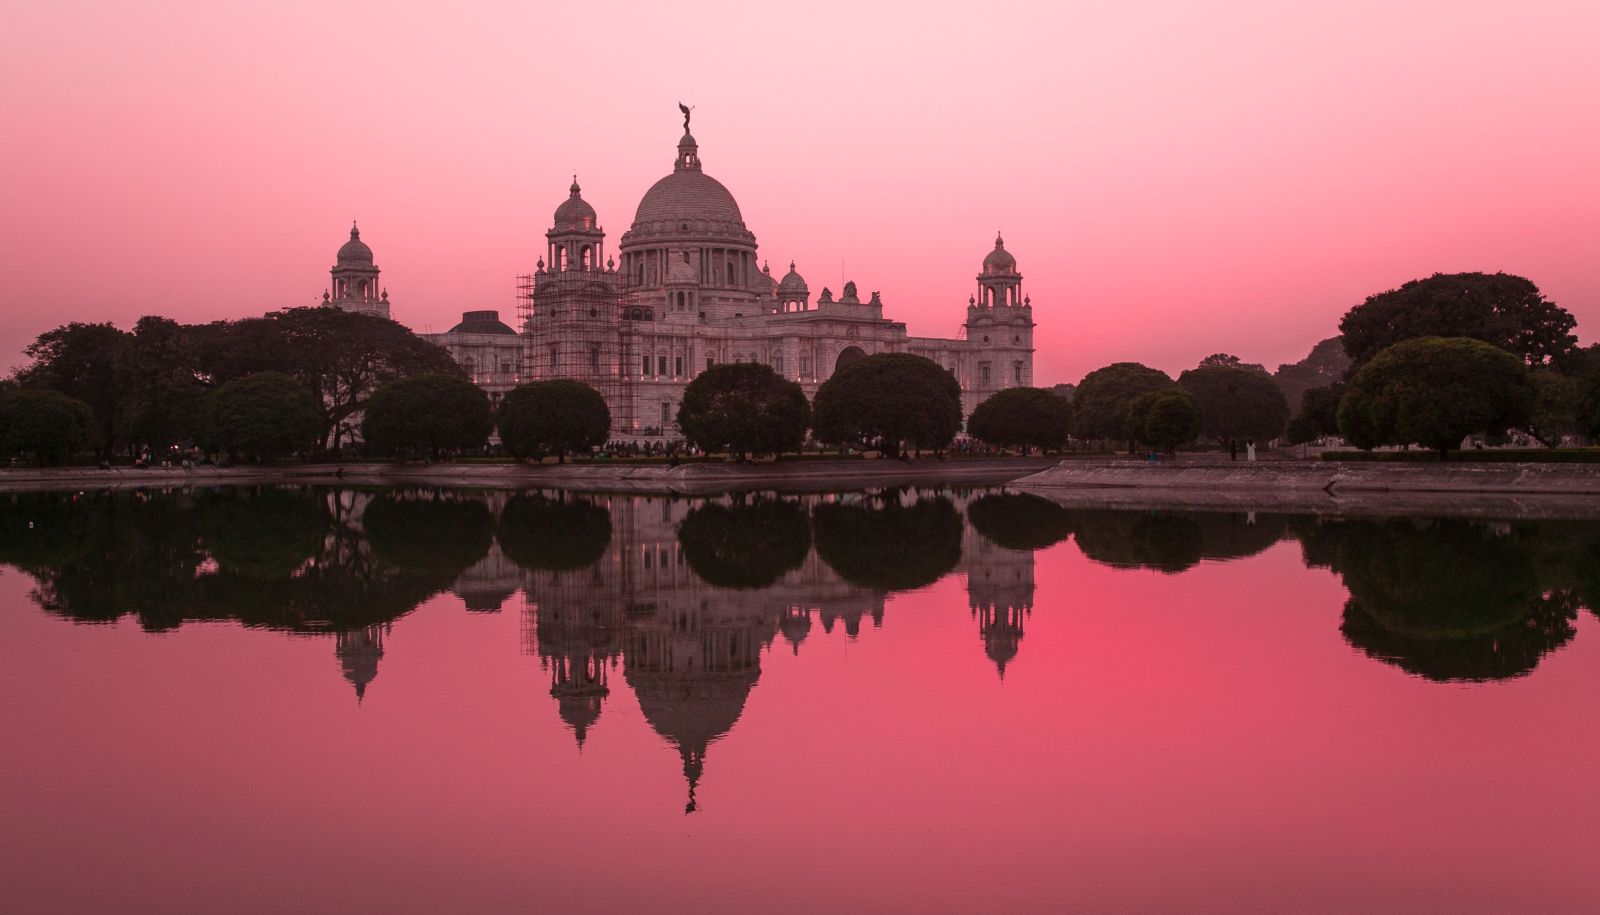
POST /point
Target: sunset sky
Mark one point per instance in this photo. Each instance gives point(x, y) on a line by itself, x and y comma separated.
point(1175, 179)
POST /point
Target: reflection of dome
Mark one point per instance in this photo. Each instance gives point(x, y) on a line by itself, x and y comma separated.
point(486, 599)
point(795, 624)
point(574, 212)
point(999, 260)
point(355, 250)
point(793, 285)
point(358, 651)
point(692, 713)
point(482, 322)
point(580, 712)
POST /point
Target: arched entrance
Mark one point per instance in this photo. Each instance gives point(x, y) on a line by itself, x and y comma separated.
point(848, 355)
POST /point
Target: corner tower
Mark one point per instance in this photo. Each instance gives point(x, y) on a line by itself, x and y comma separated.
point(355, 280)
point(999, 329)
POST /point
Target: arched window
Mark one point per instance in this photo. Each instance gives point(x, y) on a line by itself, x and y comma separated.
point(584, 257)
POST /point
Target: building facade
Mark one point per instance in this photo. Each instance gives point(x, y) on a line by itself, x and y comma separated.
point(686, 290)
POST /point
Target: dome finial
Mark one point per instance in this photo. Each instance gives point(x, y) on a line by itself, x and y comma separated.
point(574, 185)
point(999, 242)
point(354, 232)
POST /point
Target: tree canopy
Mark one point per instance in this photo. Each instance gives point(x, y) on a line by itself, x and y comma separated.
point(552, 417)
point(1101, 401)
point(1165, 419)
point(744, 408)
point(1500, 309)
point(429, 413)
point(1019, 521)
point(889, 400)
point(1022, 417)
point(262, 416)
point(84, 362)
point(1435, 391)
point(47, 426)
point(1236, 404)
point(1318, 414)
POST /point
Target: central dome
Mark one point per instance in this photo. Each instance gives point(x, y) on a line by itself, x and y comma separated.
point(687, 195)
point(689, 204)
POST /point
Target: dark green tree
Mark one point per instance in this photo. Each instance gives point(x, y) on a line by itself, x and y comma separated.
point(746, 544)
point(1557, 406)
point(889, 546)
point(1229, 360)
point(1325, 364)
point(744, 408)
point(1165, 419)
point(1100, 405)
point(1236, 404)
point(552, 417)
point(1500, 309)
point(47, 426)
point(84, 361)
point(1318, 414)
point(162, 393)
point(341, 357)
point(889, 400)
point(558, 534)
point(427, 414)
point(263, 416)
point(1022, 417)
point(1435, 391)
point(1020, 521)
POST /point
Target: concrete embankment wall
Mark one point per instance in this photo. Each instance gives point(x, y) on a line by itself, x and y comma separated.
point(1482, 490)
point(620, 477)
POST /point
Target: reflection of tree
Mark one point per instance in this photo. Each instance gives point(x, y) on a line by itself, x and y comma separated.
point(265, 533)
point(1236, 535)
point(145, 555)
point(1447, 600)
point(43, 530)
point(894, 547)
point(1163, 541)
point(746, 544)
point(1020, 521)
point(433, 533)
point(558, 534)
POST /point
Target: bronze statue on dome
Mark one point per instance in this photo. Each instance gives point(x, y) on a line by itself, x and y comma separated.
point(685, 109)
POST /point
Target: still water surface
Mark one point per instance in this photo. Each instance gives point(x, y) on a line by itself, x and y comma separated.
point(317, 700)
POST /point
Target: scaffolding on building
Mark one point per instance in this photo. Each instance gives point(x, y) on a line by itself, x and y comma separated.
point(577, 324)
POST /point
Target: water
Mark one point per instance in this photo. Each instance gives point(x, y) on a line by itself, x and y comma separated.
point(295, 700)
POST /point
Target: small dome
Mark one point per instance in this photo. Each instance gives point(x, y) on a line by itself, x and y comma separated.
point(355, 250)
point(687, 142)
point(481, 322)
point(793, 285)
point(999, 260)
point(575, 212)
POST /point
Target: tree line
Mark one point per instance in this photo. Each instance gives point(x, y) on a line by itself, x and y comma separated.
point(1430, 363)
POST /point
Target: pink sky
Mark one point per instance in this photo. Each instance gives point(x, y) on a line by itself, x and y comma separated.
point(1174, 179)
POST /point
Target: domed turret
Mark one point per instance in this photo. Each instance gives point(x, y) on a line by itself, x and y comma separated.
point(575, 212)
point(793, 284)
point(355, 279)
point(575, 240)
point(354, 251)
point(999, 261)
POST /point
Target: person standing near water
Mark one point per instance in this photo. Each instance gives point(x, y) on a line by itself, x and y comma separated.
point(1250, 452)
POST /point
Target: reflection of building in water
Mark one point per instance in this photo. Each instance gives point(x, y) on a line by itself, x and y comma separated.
point(358, 651)
point(999, 593)
point(485, 587)
point(690, 651)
